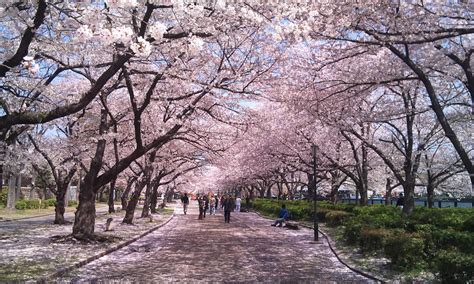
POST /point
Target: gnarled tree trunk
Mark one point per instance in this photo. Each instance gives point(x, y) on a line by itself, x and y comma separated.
point(146, 204)
point(132, 204)
point(60, 206)
point(126, 192)
point(154, 197)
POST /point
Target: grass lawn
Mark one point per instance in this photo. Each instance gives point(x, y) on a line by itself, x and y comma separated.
point(13, 214)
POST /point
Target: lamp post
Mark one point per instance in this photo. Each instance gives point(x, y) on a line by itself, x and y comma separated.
point(315, 202)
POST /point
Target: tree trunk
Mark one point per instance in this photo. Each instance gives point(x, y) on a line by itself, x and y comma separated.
point(409, 192)
point(146, 204)
point(364, 200)
point(334, 189)
point(357, 193)
point(269, 192)
point(84, 221)
point(132, 205)
point(280, 190)
point(1, 178)
point(430, 193)
point(11, 199)
point(154, 198)
point(111, 196)
point(60, 206)
point(18, 192)
point(126, 193)
point(388, 192)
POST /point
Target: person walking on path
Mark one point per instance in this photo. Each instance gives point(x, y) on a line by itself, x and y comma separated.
point(228, 205)
point(206, 204)
point(237, 204)
point(282, 216)
point(212, 206)
point(185, 201)
point(201, 207)
point(217, 204)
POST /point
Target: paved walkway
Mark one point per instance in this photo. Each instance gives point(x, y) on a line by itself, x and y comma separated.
point(246, 250)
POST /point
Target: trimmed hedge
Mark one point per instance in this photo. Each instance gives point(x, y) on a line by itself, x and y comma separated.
point(455, 267)
point(51, 202)
point(372, 240)
point(21, 205)
point(4, 198)
point(405, 251)
point(336, 218)
point(30, 204)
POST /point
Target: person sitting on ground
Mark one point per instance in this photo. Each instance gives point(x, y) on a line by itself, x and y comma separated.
point(282, 216)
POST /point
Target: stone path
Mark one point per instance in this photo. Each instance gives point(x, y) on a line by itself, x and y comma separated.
point(246, 250)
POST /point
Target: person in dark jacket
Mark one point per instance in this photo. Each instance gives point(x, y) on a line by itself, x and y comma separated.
point(206, 204)
point(201, 207)
point(228, 205)
point(400, 201)
point(282, 216)
point(185, 201)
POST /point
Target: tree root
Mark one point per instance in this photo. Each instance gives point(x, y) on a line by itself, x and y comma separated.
point(84, 239)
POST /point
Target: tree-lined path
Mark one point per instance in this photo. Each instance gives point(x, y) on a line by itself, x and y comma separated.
point(247, 249)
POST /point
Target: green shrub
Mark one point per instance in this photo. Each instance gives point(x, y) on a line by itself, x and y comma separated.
point(444, 218)
point(455, 267)
point(50, 202)
point(380, 219)
point(468, 224)
point(405, 251)
point(321, 213)
point(20, 205)
point(3, 198)
point(376, 210)
point(299, 212)
point(33, 204)
point(71, 203)
point(336, 218)
point(338, 207)
point(374, 239)
point(449, 239)
point(352, 231)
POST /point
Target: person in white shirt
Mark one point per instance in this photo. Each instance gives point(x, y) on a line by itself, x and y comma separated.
point(237, 204)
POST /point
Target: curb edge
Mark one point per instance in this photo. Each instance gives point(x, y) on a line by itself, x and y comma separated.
point(81, 263)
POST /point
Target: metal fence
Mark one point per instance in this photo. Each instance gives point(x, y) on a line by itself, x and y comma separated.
point(462, 203)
